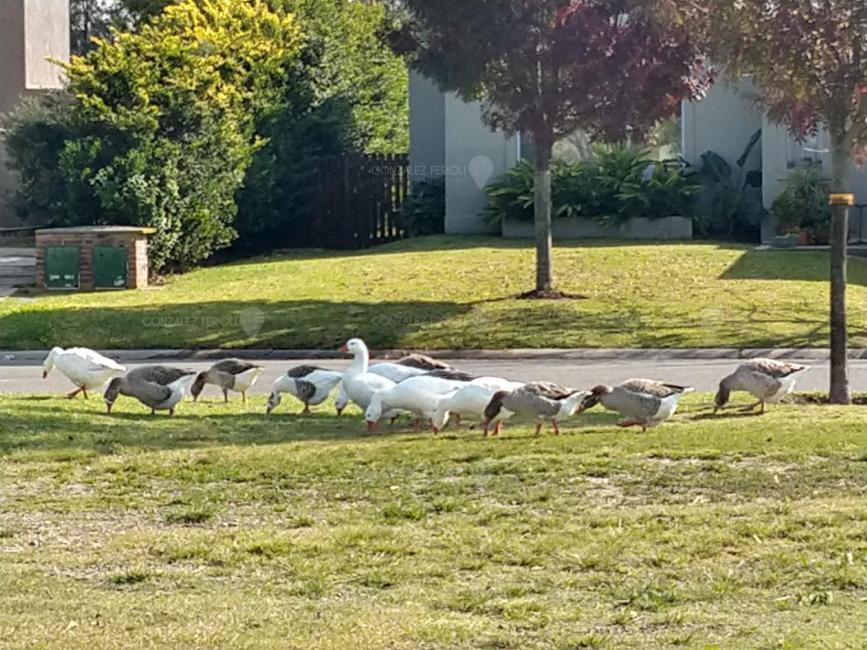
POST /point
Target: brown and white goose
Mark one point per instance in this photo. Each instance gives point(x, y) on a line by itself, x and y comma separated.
point(768, 380)
point(422, 362)
point(229, 374)
point(539, 400)
point(158, 387)
point(310, 384)
point(643, 402)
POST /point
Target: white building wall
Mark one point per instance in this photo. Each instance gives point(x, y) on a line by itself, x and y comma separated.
point(722, 122)
point(427, 127)
point(475, 155)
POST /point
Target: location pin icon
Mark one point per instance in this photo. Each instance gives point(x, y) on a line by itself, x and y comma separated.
point(481, 169)
point(252, 319)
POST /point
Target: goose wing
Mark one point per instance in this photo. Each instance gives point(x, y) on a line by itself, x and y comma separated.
point(160, 375)
point(633, 404)
point(302, 371)
point(150, 392)
point(422, 362)
point(547, 390)
point(773, 367)
point(93, 361)
point(653, 388)
point(539, 399)
point(453, 375)
point(233, 366)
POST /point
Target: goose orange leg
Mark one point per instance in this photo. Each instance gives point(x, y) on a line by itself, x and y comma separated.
point(538, 428)
point(556, 427)
point(74, 393)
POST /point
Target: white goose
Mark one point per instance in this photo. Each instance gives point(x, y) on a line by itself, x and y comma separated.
point(358, 383)
point(470, 401)
point(85, 368)
point(418, 395)
point(413, 365)
point(310, 384)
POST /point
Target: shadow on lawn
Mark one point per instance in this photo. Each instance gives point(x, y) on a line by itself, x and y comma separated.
point(792, 266)
point(254, 324)
point(439, 243)
point(64, 432)
point(318, 324)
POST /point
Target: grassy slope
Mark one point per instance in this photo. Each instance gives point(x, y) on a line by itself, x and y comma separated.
point(459, 292)
point(225, 529)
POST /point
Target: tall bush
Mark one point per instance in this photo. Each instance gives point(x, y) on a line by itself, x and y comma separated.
point(349, 95)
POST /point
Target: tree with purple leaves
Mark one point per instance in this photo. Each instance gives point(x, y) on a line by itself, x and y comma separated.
point(809, 61)
point(549, 68)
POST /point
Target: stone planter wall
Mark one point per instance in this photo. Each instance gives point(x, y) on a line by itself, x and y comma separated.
point(668, 228)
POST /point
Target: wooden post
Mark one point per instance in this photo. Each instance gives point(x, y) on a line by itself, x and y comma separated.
point(839, 389)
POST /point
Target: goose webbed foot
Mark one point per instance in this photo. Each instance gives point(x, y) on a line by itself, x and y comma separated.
point(74, 393)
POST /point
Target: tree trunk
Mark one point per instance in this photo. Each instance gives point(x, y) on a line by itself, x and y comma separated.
point(542, 209)
point(840, 162)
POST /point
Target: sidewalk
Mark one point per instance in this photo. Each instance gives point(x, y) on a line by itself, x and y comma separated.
point(581, 354)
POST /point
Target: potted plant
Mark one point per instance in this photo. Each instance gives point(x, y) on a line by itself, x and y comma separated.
point(803, 205)
point(787, 240)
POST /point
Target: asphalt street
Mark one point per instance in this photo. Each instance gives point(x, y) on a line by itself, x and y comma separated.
point(704, 375)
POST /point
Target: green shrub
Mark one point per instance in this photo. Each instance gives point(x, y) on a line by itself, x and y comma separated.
point(731, 202)
point(348, 95)
point(803, 203)
point(615, 185)
point(424, 211)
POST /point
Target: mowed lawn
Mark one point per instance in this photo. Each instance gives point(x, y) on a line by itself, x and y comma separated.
point(224, 528)
point(446, 293)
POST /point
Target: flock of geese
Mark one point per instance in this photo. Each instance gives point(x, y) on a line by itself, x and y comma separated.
point(425, 388)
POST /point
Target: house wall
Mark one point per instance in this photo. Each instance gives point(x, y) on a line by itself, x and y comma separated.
point(475, 155)
point(30, 32)
point(427, 128)
point(723, 122)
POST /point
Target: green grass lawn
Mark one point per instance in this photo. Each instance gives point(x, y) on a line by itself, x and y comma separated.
point(222, 528)
point(446, 292)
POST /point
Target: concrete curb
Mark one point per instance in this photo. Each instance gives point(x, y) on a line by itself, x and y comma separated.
point(15, 357)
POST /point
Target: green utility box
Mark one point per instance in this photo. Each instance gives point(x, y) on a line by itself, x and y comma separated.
point(110, 267)
point(62, 267)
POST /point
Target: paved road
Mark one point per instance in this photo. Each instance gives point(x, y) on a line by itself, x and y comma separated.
point(26, 377)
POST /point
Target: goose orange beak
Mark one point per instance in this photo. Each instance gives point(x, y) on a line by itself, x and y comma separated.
point(343, 348)
point(371, 427)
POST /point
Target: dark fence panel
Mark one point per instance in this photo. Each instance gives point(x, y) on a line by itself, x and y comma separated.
point(360, 199)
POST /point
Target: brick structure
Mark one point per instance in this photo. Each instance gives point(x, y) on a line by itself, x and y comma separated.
point(133, 238)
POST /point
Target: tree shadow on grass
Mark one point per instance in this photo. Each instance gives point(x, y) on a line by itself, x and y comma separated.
point(303, 324)
point(59, 434)
point(798, 266)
